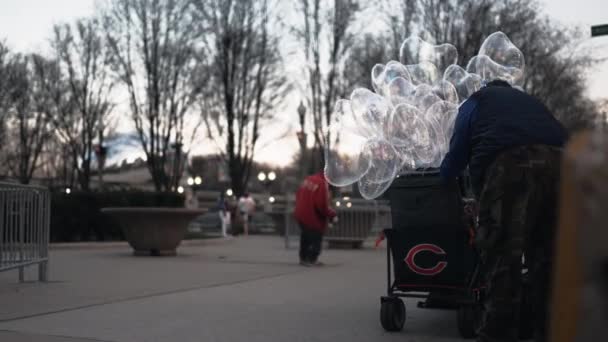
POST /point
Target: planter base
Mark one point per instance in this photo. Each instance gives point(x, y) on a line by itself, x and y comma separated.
point(154, 231)
point(155, 252)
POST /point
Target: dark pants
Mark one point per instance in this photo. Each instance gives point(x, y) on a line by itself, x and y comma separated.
point(517, 218)
point(310, 244)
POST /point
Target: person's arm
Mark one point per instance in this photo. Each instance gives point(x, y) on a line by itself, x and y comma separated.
point(457, 158)
point(322, 202)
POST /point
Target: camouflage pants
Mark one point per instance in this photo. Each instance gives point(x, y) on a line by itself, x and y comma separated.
point(517, 217)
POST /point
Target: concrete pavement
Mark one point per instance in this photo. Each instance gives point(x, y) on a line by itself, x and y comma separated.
point(243, 289)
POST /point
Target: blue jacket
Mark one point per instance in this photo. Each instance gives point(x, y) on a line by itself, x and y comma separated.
point(493, 120)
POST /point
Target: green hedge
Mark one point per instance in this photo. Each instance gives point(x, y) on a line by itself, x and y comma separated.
point(77, 216)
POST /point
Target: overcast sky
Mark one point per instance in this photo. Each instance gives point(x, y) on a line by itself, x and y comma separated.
point(26, 26)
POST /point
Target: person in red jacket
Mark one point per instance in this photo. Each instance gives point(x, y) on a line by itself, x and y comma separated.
point(313, 213)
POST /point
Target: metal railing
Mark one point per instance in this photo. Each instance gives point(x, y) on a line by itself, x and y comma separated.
point(358, 220)
point(24, 228)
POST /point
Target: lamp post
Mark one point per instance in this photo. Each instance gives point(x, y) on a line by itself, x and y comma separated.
point(176, 166)
point(100, 153)
point(266, 179)
point(302, 138)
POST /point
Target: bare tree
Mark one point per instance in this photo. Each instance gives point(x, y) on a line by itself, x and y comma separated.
point(326, 37)
point(554, 64)
point(248, 71)
point(28, 125)
point(156, 53)
point(400, 15)
point(365, 53)
point(83, 57)
point(4, 89)
point(56, 163)
point(55, 100)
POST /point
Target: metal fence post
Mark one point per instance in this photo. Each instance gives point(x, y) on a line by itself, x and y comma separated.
point(287, 211)
point(43, 267)
point(24, 228)
point(21, 210)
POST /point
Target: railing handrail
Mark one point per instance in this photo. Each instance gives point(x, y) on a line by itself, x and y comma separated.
point(23, 186)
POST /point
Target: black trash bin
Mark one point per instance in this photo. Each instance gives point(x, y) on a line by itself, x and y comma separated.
point(430, 247)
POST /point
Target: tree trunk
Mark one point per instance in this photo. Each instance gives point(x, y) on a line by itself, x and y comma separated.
point(237, 175)
point(84, 176)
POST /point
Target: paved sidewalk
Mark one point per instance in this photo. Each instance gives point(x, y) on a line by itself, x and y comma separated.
point(242, 289)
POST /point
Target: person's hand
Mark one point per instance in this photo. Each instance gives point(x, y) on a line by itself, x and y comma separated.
point(335, 220)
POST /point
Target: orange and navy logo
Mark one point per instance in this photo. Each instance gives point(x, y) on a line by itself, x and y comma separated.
point(410, 259)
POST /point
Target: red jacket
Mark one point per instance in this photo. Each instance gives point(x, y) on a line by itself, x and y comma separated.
point(312, 203)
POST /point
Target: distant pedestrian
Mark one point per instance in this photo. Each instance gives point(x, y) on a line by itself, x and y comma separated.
point(246, 208)
point(224, 214)
point(313, 213)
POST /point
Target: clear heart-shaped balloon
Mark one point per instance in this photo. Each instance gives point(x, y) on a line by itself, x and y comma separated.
point(383, 76)
point(371, 113)
point(372, 190)
point(411, 137)
point(499, 48)
point(446, 91)
point(489, 70)
point(401, 91)
point(414, 50)
point(384, 158)
point(465, 83)
point(424, 97)
point(346, 160)
point(424, 72)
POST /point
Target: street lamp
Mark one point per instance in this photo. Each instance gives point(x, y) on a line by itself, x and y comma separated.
point(272, 176)
point(180, 189)
point(302, 138)
point(267, 178)
point(198, 180)
point(229, 192)
point(190, 181)
point(262, 177)
point(302, 113)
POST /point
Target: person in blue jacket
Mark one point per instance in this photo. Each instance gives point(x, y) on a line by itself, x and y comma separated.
point(511, 144)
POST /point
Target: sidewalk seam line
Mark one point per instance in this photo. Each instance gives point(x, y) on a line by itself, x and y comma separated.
point(135, 298)
point(51, 335)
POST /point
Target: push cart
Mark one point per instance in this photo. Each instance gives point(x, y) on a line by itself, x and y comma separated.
point(430, 253)
point(431, 256)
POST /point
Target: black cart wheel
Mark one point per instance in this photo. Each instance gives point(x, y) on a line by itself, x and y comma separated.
point(392, 313)
point(468, 320)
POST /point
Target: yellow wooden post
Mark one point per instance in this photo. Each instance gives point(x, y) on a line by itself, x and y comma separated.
point(567, 277)
point(580, 297)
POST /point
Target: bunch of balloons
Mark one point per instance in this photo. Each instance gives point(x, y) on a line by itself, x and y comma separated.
point(406, 123)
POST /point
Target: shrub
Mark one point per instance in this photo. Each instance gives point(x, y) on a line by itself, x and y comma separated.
point(77, 216)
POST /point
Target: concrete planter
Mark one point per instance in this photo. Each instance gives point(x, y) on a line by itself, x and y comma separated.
point(153, 231)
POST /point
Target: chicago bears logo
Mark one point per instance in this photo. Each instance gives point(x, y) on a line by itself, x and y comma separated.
point(410, 259)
